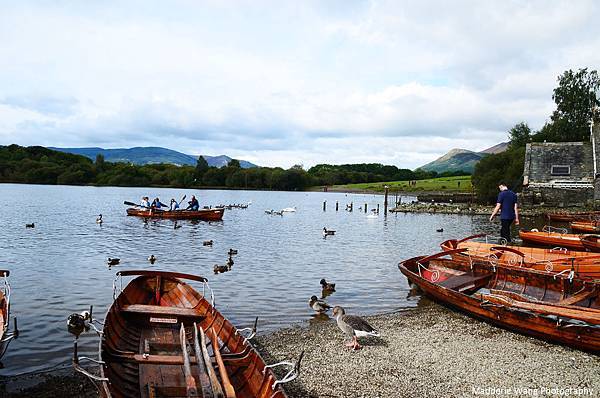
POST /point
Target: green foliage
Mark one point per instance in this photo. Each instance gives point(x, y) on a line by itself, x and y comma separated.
point(575, 98)
point(201, 167)
point(519, 135)
point(505, 166)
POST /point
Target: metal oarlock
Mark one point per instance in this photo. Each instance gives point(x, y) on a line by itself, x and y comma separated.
point(88, 322)
point(252, 331)
point(292, 374)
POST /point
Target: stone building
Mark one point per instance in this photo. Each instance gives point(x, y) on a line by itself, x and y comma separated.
point(563, 173)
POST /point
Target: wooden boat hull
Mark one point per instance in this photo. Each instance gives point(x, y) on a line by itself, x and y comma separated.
point(591, 242)
point(142, 350)
point(554, 328)
point(554, 239)
point(5, 335)
point(567, 217)
point(590, 227)
point(586, 265)
point(215, 214)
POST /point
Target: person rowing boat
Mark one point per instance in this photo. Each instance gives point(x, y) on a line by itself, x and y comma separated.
point(173, 205)
point(156, 203)
point(193, 204)
point(145, 202)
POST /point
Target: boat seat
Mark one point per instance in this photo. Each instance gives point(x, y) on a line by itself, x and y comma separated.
point(588, 294)
point(465, 282)
point(162, 311)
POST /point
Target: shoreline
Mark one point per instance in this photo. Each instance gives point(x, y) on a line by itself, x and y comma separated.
point(426, 351)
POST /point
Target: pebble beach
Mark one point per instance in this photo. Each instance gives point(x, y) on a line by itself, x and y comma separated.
point(429, 351)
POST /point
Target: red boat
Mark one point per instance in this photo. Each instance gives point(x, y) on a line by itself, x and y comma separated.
point(550, 307)
point(590, 227)
point(215, 214)
point(566, 217)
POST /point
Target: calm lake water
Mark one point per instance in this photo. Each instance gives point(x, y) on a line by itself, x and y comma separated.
point(59, 267)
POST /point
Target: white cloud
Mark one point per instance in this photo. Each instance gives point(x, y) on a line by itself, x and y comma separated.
point(283, 83)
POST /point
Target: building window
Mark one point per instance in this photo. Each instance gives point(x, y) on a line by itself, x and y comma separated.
point(561, 170)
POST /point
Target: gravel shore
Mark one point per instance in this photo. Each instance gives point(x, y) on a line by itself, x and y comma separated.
point(429, 351)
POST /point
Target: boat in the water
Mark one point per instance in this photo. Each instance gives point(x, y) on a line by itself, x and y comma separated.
point(583, 264)
point(588, 227)
point(214, 214)
point(163, 338)
point(5, 335)
point(553, 238)
point(567, 217)
point(550, 307)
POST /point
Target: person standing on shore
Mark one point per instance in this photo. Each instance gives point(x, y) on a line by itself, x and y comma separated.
point(506, 204)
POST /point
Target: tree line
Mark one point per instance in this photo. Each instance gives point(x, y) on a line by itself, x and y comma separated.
point(39, 165)
point(576, 98)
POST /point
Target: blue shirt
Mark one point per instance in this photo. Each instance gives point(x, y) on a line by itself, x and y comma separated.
point(507, 200)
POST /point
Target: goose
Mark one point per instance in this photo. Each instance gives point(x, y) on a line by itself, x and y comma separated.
point(207, 243)
point(232, 252)
point(353, 326)
point(327, 232)
point(268, 211)
point(152, 259)
point(328, 287)
point(440, 230)
point(113, 261)
point(99, 219)
point(220, 268)
point(176, 226)
point(319, 306)
point(32, 225)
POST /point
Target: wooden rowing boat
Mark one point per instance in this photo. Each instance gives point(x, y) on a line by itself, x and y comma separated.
point(549, 307)
point(5, 336)
point(591, 242)
point(589, 227)
point(554, 239)
point(567, 217)
point(162, 338)
point(584, 264)
point(215, 214)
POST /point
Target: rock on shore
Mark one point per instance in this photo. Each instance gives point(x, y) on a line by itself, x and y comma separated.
point(429, 352)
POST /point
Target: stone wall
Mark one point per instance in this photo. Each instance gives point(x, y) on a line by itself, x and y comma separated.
point(560, 197)
point(540, 157)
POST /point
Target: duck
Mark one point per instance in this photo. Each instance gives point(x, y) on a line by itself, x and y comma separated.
point(278, 213)
point(353, 326)
point(220, 268)
point(440, 230)
point(229, 262)
point(232, 252)
point(99, 219)
point(320, 306)
point(113, 261)
point(207, 243)
point(176, 226)
point(32, 225)
point(328, 232)
point(152, 259)
point(327, 287)
point(76, 322)
point(268, 211)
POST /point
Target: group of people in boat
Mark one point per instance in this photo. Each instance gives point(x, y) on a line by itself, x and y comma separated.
point(193, 204)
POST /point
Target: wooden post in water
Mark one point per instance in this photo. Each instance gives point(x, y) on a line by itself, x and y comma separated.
point(385, 200)
point(377, 208)
point(324, 205)
point(351, 206)
point(337, 205)
point(365, 207)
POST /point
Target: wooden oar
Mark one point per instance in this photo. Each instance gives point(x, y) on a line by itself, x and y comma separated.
point(134, 204)
point(229, 390)
point(182, 199)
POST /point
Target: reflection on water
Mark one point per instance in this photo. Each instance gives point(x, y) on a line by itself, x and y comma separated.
point(60, 266)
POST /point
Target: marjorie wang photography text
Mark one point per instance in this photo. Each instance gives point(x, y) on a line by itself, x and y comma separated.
point(534, 392)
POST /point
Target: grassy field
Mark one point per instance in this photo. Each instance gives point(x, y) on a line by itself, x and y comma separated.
point(442, 184)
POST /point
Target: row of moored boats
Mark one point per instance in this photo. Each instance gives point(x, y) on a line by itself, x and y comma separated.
point(552, 292)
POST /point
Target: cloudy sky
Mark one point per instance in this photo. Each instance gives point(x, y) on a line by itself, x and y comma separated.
point(286, 82)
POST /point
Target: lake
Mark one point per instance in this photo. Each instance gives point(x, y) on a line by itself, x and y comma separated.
point(59, 267)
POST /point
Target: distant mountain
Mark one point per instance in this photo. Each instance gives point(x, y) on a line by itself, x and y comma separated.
point(151, 155)
point(461, 159)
